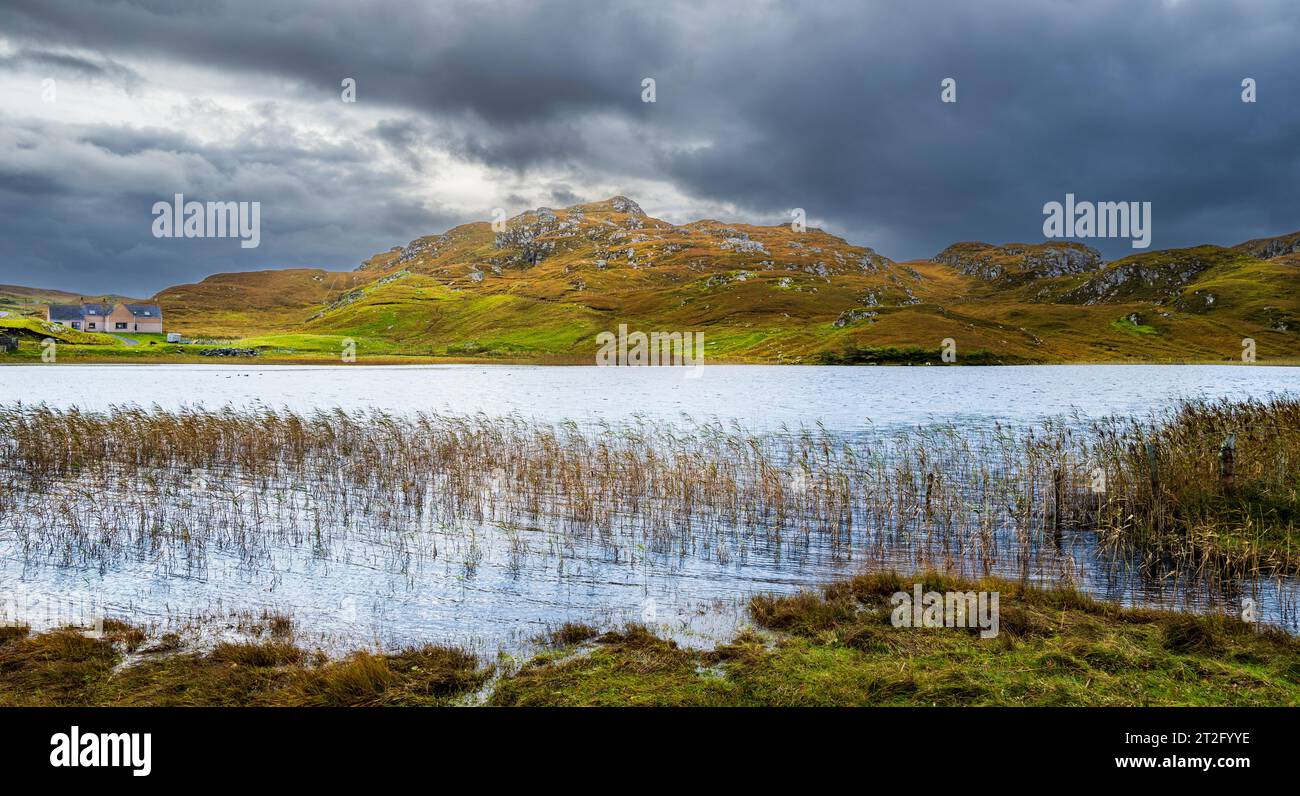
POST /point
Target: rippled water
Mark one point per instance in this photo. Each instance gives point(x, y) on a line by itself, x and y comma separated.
point(757, 396)
point(495, 584)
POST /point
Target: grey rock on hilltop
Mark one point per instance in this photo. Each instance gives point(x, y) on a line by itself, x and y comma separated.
point(622, 204)
point(1040, 260)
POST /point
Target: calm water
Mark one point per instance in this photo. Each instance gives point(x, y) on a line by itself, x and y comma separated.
point(757, 396)
point(495, 586)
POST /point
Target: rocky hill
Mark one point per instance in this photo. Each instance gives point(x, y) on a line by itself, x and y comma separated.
point(544, 284)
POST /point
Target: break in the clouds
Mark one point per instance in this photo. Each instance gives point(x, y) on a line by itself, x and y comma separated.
point(760, 107)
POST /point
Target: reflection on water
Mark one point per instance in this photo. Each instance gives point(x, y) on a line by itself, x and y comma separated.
point(759, 397)
point(496, 585)
point(492, 562)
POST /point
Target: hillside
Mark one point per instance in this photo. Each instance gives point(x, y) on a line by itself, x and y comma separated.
point(265, 301)
point(546, 285)
point(16, 300)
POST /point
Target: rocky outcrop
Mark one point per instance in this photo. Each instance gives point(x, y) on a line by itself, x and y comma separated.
point(228, 352)
point(522, 242)
point(1158, 276)
point(1268, 248)
point(621, 204)
point(1041, 260)
point(855, 315)
point(1276, 319)
point(742, 243)
point(354, 295)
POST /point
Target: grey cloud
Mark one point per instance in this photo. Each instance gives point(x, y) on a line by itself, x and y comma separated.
point(58, 63)
point(761, 106)
point(320, 208)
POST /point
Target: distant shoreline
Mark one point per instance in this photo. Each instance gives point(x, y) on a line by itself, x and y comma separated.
point(391, 360)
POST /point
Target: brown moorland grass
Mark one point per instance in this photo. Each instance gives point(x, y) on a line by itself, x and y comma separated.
point(65, 667)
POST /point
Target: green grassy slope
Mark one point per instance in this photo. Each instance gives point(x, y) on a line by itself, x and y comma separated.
point(544, 286)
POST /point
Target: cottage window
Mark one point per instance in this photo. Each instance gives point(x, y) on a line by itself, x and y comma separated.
point(119, 325)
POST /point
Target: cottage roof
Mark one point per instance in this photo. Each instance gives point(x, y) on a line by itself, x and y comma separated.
point(66, 312)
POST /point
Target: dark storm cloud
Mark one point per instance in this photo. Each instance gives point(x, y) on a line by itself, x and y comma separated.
point(761, 107)
point(67, 227)
point(55, 63)
point(1108, 101)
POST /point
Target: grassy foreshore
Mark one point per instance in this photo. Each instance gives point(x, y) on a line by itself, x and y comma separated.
point(835, 647)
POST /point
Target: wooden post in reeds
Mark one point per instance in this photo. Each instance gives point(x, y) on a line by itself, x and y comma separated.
point(1153, 465)
point(1227, 463)
point(929, 482)
point(1058, 490)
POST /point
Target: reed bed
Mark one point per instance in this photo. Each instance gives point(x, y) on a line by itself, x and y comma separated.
point(92, 489)
point(1214, 486)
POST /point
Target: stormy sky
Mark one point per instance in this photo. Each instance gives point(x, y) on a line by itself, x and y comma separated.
point(761, 106)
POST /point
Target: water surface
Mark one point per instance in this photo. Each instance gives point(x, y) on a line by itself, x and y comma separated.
point(757, 396)
point(496, 584)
